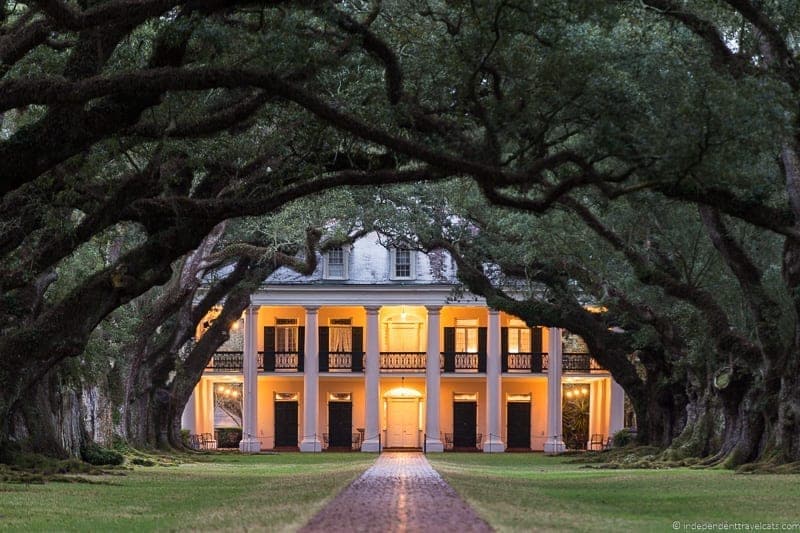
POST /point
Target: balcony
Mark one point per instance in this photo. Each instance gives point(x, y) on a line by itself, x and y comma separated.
point(581, 363)
point(226, 362)
point(525, 362)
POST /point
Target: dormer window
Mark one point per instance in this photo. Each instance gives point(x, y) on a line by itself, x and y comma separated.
point(402, 264)
point(336, 263)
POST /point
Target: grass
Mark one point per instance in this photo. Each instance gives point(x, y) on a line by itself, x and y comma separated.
point(519, 492)
point(218, 491)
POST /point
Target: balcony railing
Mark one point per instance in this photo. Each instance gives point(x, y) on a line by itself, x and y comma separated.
point(403, 361)
point(459, 362)
point(226, 362)
point(466, 362)
point(580, 362)
point(525, 362)
point(341, 362)
point(280, 361)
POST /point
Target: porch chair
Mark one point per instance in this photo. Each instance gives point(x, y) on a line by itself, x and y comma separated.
point(209, 442)
point(479, 441)
point(356, 440)
point(448, 441)
point(596, 443)
point(324, 441)
point(608, 443)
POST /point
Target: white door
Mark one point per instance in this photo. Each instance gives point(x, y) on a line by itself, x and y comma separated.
point(401, 427)
point(403, 337)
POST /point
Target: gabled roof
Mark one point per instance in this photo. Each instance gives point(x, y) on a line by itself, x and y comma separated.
point(369, 264)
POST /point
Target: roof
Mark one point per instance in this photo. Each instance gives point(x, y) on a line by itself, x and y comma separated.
point(369, 264)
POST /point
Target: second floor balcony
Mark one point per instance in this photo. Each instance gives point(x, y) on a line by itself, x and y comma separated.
point(404, 362)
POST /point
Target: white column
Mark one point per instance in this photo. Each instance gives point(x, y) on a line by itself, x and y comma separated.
point(555, 440)
point(311, 441)
point(373, 373)
point(250, 442)
point(617, 419)
point(432, 374)
point(493, 441)
point(189, 416)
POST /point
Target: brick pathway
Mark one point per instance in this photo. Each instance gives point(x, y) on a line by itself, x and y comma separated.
point(400, 492)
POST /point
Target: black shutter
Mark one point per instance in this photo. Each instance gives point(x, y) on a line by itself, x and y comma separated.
point(449, 349)
point(358, 350)
point(504, 349)
point(324, 347)
point(482, 349)
point(269, 349)
point(536, 348)
point(536, 339)
point(301, 348)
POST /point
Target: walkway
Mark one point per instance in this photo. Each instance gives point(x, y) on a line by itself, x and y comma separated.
point(400, 492)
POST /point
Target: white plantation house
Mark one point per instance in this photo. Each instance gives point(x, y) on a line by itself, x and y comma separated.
point(374, 349)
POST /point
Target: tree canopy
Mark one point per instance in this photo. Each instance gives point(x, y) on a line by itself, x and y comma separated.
point(639, 155)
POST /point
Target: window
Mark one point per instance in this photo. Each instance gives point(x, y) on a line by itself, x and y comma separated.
point(336, 263)
point(519, 337)
point(340, 335)
point(402, 263)
point(466, 335)
point(285, 334)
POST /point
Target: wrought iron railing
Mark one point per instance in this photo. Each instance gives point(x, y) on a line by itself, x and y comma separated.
point(579, 362)
point(403, 361)
point(280, 361)
point(467, 362)
point(341, 362)
point(525, 362)
point(226, 361)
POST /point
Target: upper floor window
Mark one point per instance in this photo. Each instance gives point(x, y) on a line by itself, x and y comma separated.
point(336, 263)
point(340, 335)
point(286, 335)
point(402, 263)
point(466, 335)
point(519, 337)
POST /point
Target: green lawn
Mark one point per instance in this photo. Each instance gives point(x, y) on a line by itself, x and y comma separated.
point(229, 492)
point(519, 492)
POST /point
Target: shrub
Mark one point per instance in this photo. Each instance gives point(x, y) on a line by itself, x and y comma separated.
point(623, 438)
point(97, 455)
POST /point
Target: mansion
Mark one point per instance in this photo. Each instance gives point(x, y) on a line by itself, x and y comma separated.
point(377, 349)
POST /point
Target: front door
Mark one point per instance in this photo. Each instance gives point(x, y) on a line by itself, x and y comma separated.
point(401, 426)
point(518, 422)
point(464, 422)
point(285, 424)
point(340, 424)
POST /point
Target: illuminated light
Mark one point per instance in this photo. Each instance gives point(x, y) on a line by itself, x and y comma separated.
point(569, 394)
point(403, 313)
point(596, 308)
point(235, 326)
point(585, 390)
point(235, 394)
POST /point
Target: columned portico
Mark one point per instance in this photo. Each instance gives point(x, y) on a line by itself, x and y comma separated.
point(311, 441)
point(432, 381)
point(617, 419)
point(372, 386)
point(493, 443)
point(555, 440)
point(250, 442)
